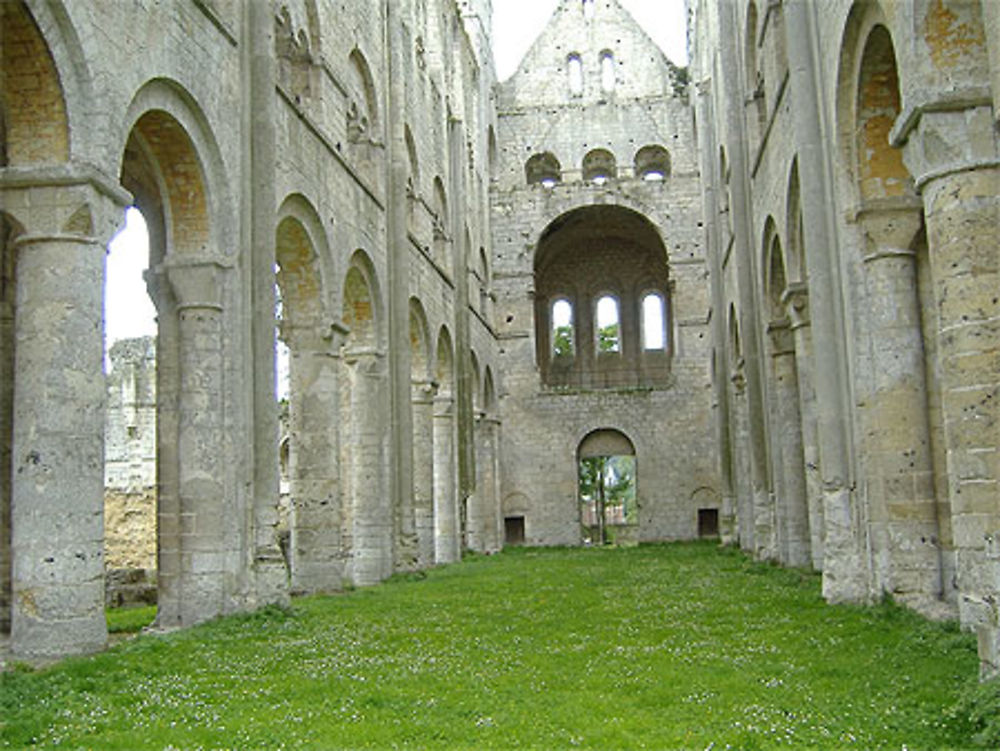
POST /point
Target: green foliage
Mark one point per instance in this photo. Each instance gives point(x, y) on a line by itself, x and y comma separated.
point(668, 646)
point(562, 344)
point(129, 620)
point(607, 338)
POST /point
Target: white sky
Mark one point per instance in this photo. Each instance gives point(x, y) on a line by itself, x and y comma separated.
point(516, 24)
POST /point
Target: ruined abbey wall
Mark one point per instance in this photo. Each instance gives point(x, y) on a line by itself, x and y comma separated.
point(769, 281)
point(850, 159)
point(580, 233)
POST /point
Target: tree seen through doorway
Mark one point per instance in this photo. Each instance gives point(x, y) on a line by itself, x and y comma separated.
point(607, 496)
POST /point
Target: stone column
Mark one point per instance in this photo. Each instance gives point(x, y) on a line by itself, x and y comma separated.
point(372, 519)
point(796, 301)
point(952, 152)
point(200, 592)
point(446, 537)
point(6, 431)
point(845, 573)
point(57, 462)
point(487, 494)
point(746, 526)
point(317, 563)
point(787, 430)
point(422, 404)
point(899, 472)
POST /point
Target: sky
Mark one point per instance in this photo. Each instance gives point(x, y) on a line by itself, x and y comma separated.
point(516, 24)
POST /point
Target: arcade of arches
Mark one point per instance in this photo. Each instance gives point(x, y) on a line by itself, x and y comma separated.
point(593, 302)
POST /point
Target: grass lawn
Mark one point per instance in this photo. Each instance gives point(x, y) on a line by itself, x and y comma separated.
point(661, 647)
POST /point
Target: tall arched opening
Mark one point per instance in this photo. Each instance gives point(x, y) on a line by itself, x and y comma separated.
point(607, 483)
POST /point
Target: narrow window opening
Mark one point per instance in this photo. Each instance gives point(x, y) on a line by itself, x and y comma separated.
point(563, 344)
point(654, 329)
point(575, 66)
point(588, 9)
point(607, 72)
point(608, 325)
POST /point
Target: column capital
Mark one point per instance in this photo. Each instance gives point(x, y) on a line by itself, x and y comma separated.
point(65, 203)
point(890, 224)
point(795, 298)
point(196, 282)
point(779, 334)
point(946, 137)
point(423, 392)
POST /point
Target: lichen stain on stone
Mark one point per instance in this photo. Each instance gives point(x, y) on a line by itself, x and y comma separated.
point(29, 607)
point(948, 39)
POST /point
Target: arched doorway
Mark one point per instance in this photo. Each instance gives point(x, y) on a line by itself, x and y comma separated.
point(607, 483)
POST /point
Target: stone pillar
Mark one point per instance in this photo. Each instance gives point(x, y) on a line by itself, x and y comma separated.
point(953, 154)
point(845, 573)
point(372, 519)
point(787, 430)
point(317, 563)
point(423, 469)
point(899, 471)
point(746, 526)
point(6, 431)
point(446, 532)
point(488, 521)
point(57, 464)
point(200, 592)
point(796, 301)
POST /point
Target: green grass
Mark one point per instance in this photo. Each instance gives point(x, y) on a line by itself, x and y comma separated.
point(658, 647)
point(129, 620)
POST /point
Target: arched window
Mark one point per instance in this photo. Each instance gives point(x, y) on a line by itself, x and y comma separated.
point(563, 341)
point(608, 326)
point(599, 166)
point(602, 261)
point(652, 163)
point(654, 322)
point(543, 169)
point(607, 71)
point(575, 67)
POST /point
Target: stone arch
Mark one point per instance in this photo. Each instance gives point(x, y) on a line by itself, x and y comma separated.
point(607, 484)
point(599, 166)
point(442, 225)
point(423, 391)
point(756, 91)
point(902, 518)
point(582, 255)
point(543, 169)
point(172, 165)
point(368, 519)
point(314, 516)
point(447, 539)
point(490, 403)
point(795, 260)
point(362, 309)
point(420, 354)
point(163, 164)
point(365, 103)
point(475, 376)
point(652, 163)
point(35, 118)
point(773, 264)
point(735, 344)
